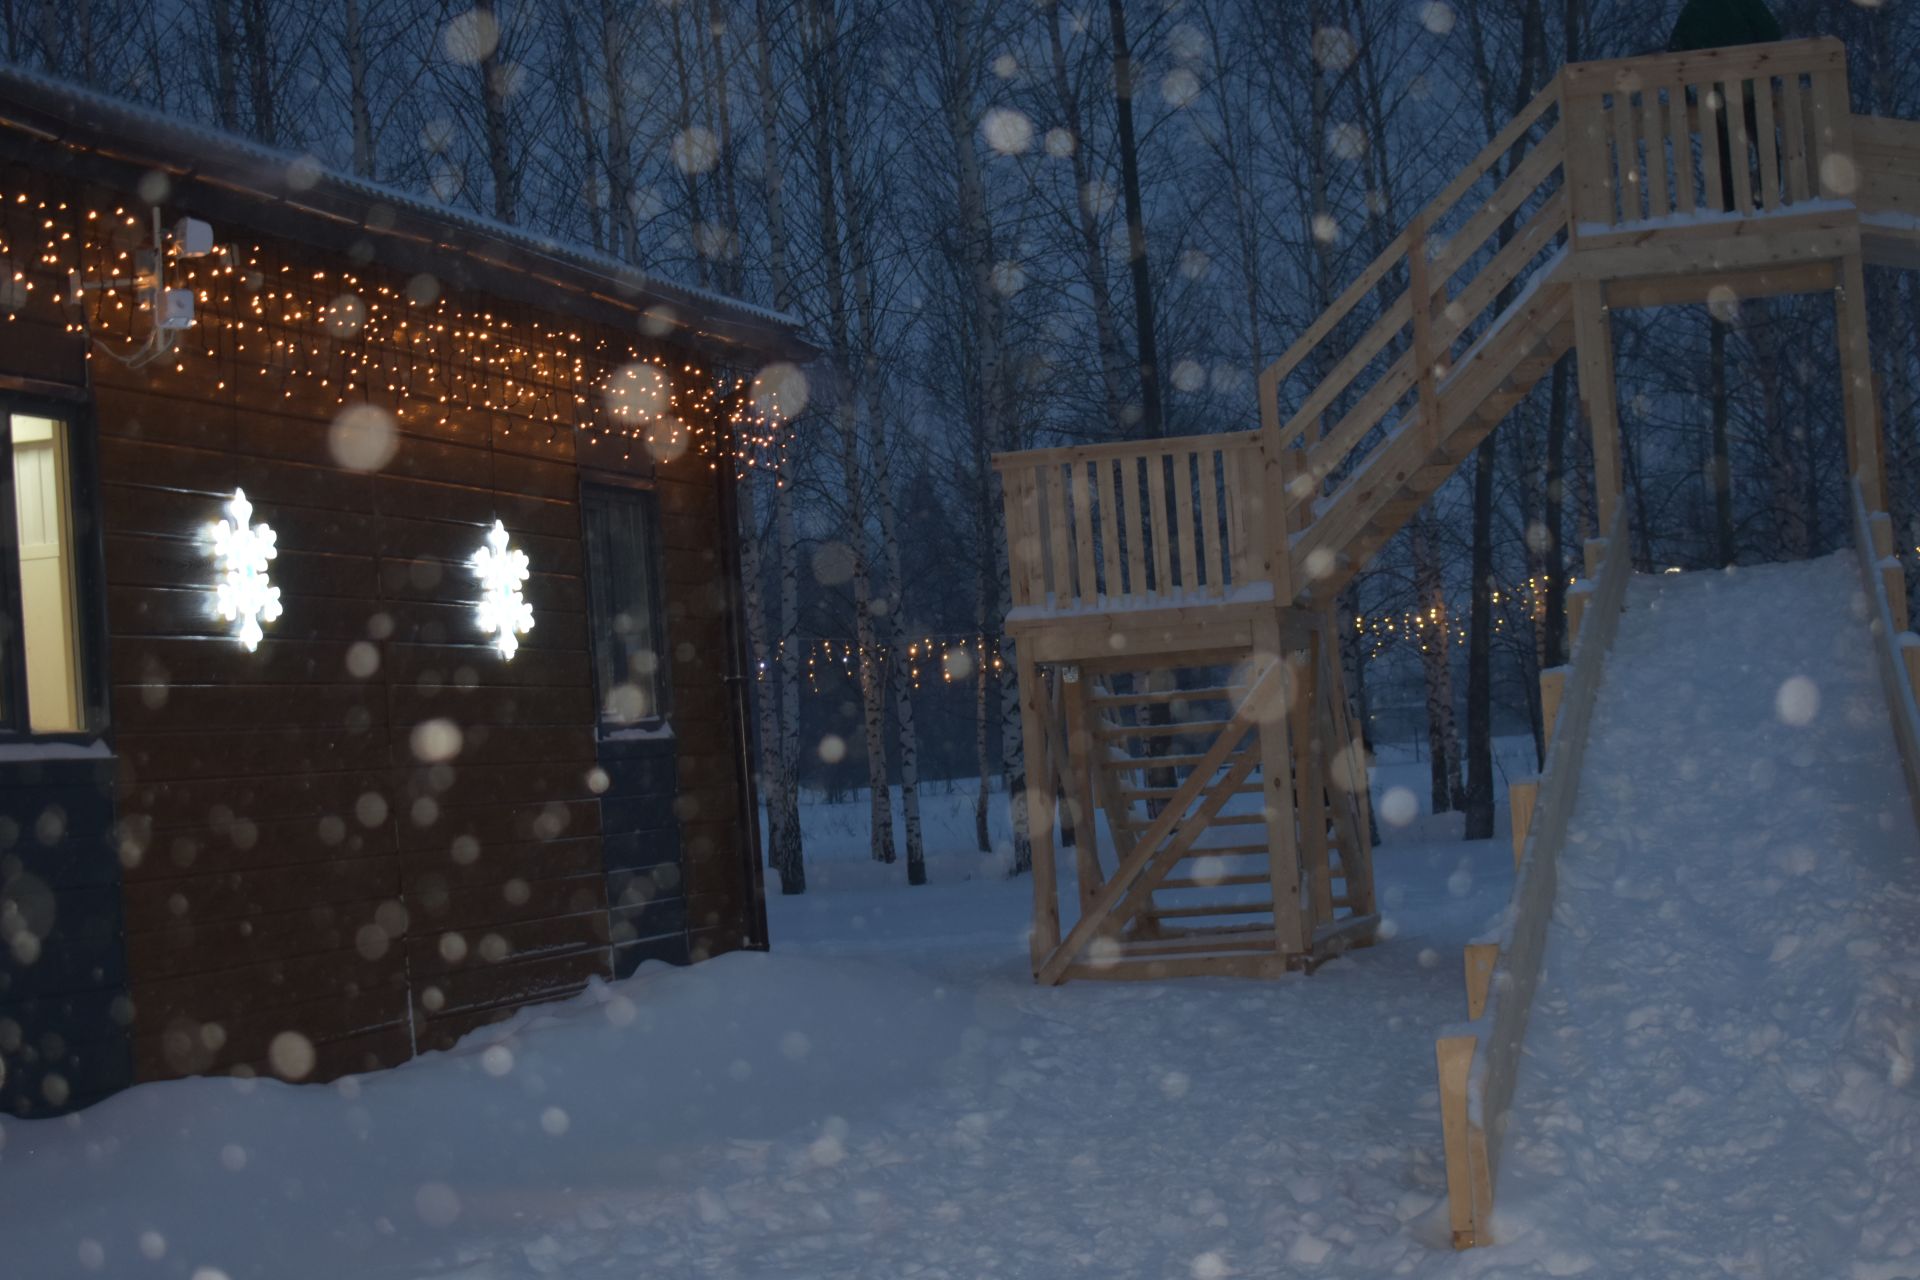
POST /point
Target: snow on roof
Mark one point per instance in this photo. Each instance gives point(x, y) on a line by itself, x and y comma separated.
point(127, 135)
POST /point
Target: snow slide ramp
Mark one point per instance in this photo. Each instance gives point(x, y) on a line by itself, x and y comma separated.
point(1723, 1016)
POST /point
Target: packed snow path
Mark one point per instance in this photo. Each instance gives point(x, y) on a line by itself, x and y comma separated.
point(1719, 1067)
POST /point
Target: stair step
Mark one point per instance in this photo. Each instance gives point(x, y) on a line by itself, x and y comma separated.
point(1221, 882)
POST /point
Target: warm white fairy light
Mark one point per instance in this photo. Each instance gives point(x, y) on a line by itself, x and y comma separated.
point(503, 611)
point(245, 594)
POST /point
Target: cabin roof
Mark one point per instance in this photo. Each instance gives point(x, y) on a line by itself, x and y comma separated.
point(77, 132)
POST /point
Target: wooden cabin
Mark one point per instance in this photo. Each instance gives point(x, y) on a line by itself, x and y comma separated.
point(464, 730)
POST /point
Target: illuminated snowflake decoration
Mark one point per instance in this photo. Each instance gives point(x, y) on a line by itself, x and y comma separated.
point(245, 594)
point(502, 612)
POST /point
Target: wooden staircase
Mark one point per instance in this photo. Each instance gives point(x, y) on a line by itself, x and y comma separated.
point(1139, 564)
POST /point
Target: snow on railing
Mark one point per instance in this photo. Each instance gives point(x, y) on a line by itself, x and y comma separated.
point(1895, 646)
point(1479, 1061)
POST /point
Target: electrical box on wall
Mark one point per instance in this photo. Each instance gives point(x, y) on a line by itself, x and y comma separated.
point(175, 310)
point(192, 238)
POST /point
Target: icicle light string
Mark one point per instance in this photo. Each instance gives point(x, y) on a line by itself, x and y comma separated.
point(351, 337)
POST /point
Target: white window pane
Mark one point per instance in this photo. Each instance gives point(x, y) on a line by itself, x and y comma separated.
point(45, 527)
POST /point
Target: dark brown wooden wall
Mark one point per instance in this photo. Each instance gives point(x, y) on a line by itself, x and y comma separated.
point(300, 868)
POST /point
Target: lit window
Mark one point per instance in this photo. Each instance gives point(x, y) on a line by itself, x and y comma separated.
point(623, 589)
point(43, 692)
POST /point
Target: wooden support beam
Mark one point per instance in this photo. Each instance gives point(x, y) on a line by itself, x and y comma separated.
point(1593, 339)
point(1520, 801)
point(1292, 933)
point(1034, 707)
point(1864, 451)
point(1553, 683)
point(1577, 599)
point(1310, 782)
point(1079, 775)
point(1479, 963)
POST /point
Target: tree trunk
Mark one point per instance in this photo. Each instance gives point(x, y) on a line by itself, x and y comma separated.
point(1152, 417)
point(1106, 340)
point(619, 153)
point(261, 77)
point(785, 846)
point(1479, 653)
point(226, 65)
point(1720, 468)
point(361, 115)
point(1443, 732)
point(493, 102)
point(1554, 516)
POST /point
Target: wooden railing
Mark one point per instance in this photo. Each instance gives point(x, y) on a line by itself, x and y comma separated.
point(1455, 295)
point(1478, 1062)
point(1674, 136)
point(1896, 648)
point(1138, 522)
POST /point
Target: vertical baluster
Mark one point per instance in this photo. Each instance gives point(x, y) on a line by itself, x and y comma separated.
point(1083, 533)
point(1681, 128)
point(1239, 517)
point(1828, 107)
point(1059, 543)
point(1183, 510)
point(1766, 138)
point(1708, 96)
point(1162, 531)
point(1209, 544)
point(1737, 147)
point(1113, 525)
point(1023, 536)
point(1138, 529)
point(1793, 125)
point(1626, 155)
point(1656, 152)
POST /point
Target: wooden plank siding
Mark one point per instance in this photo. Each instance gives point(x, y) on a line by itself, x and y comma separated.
point(287, 862)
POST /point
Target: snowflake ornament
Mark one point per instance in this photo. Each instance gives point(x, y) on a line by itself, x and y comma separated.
point(245, 593)
point(503, 611)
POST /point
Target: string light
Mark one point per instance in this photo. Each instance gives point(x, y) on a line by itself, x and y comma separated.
point(315, 333)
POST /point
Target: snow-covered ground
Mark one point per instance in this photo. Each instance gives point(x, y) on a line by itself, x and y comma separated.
point(887, 1094)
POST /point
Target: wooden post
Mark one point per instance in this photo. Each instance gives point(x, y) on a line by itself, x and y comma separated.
point(1520, 800)
point(1910, 654)
point(1893, 579)
point(1593, 337)
point(1577, 610)
point(1292, 934)
point(1553, 683)
point(1039, 803)
point(1310, 780)
point(1276, 549)
point(1469, 1186)
point(1082, 763)
point(1856, 383)
point(1480, 957)
point(1880, 530)
point(1595, 555)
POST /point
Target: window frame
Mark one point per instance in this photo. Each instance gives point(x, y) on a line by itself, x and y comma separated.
point(89, 573)
point(601, 487)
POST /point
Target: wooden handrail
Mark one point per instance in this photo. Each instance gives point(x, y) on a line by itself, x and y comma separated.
point(1584, 79)
point(1896, 648)
point(1161, 446)
point(1390, 257)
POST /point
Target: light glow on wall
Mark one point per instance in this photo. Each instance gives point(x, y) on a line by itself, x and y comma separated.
point(503, 612)
point(245, 593)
